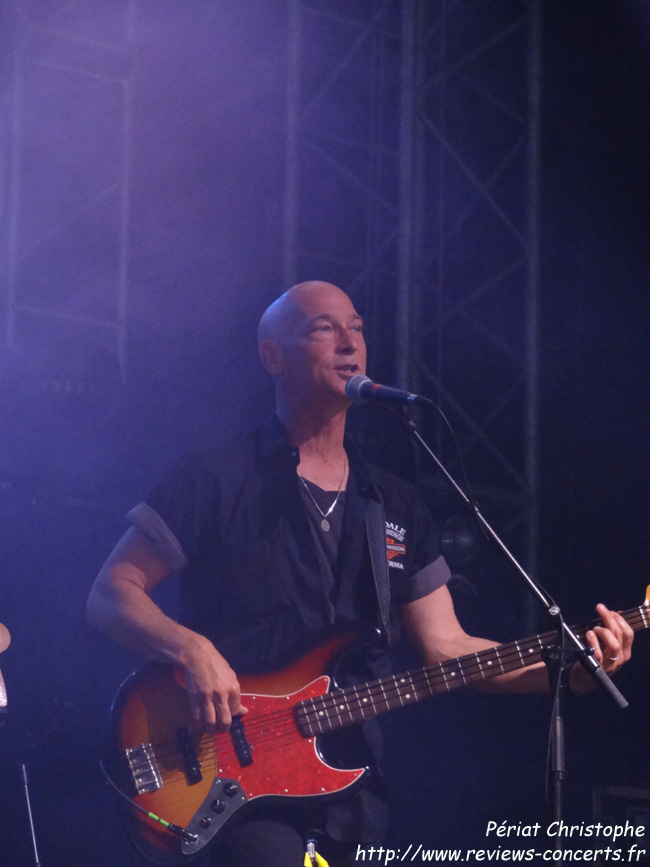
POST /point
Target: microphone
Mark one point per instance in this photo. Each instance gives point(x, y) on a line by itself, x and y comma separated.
point(361, 389)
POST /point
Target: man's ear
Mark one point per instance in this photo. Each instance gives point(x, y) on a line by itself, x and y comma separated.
point(271, 356)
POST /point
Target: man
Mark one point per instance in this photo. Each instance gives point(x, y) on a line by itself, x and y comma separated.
point(270, 536)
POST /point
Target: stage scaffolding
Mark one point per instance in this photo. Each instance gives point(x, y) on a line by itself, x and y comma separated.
point(423, 117)
point(67, 119)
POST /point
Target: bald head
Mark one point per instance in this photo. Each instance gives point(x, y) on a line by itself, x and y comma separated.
point(286, 312)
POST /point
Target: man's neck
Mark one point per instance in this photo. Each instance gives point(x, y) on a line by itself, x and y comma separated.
point(320, 440)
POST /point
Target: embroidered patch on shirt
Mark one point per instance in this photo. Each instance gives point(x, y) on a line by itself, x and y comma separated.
point(395, 547)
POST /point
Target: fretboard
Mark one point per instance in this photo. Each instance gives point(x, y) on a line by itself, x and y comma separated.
point(344, 707)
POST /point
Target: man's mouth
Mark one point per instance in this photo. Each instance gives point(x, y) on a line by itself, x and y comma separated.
point(347, 368)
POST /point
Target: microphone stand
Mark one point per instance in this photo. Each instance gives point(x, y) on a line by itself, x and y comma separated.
point(37, 861)
point(555, 657)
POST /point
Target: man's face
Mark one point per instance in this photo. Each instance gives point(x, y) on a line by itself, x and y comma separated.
point(323, 346)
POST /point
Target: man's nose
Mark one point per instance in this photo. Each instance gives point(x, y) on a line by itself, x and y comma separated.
point(348, 341)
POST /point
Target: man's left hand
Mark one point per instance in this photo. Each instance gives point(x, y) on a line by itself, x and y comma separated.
point(612, 646)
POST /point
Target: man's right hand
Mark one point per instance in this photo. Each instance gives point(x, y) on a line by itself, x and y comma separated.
point(213, 688)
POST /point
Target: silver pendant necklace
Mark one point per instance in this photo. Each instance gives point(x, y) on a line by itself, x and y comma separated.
point(325, 524)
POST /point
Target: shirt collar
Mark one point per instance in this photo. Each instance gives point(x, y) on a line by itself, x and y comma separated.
point(274, 448)
point(273, 443)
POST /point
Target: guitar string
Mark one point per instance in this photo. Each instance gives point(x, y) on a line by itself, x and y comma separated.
point(505, 654)
point(388, 690)
point(433, 677)
point(391, 697)
point(389, 694)
point(227, 757)
point(429, 682)
point(226, 754)
point(225, 749)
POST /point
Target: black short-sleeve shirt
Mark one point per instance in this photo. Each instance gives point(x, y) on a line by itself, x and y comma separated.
point(232, 521)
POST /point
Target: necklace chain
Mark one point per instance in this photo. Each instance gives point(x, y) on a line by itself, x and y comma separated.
point(325, 524)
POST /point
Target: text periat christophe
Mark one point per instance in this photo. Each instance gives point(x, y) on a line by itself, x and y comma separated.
point(560, 828)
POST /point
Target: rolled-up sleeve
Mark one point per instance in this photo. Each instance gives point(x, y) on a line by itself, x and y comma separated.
point(149, 522)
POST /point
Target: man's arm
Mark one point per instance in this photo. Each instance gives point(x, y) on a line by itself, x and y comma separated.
point(432, 625)
point(120, 605)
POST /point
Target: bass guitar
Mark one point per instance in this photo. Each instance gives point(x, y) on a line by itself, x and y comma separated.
point(184, 786)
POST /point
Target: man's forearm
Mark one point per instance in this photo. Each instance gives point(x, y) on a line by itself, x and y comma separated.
point(123, 611)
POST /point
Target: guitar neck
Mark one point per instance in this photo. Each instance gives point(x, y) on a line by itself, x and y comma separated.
point(343, 707)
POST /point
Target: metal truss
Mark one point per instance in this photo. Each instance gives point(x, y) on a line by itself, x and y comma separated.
point(417, 123)
point(68, 116)
point(342, 199)
point(470, 284)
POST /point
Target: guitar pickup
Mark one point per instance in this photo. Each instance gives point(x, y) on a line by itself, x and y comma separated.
point(240, 743)
point(191, 763)
point(144, 769)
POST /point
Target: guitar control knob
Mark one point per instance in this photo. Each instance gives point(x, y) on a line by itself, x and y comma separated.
point(218, 806)
point(231, 789)
point(206, 821)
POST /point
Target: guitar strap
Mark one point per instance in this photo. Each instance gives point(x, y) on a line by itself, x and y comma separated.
point(376, 533)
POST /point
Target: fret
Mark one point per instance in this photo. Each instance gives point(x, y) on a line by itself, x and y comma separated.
point(413, 695)
point(333, 710)
point(518, 649)
point(320, 714)
point(398, 690)
point(302, 718)
point(302, 713)
point(324, 718)
point(342, 707)
point(453, 673)
point(398, 684)
point(409, 687)
point(327, 716)
point(494, 652)
point(359, 702)
point(498, 658)
point(383, 691)
point(430, 688)
point(486, 660)
point(527, 654)
point(644, 615)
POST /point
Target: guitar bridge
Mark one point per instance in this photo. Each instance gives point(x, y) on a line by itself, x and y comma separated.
point(144, 769)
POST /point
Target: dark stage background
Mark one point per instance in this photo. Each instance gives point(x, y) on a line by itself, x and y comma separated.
point(205, 255)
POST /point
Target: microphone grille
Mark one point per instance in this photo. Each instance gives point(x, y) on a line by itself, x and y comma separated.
point(353, 388)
